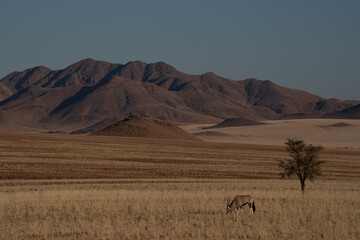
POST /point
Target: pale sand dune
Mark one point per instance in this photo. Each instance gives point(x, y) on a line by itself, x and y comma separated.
point(315, 131)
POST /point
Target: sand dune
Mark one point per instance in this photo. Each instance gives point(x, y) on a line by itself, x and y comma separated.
point(136, 126)
point(327, 132)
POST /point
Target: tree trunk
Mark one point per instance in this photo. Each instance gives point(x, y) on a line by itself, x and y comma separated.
point(302, 186)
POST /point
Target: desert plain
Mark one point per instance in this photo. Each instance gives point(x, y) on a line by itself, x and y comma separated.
point(62, 186)
point(334, 133)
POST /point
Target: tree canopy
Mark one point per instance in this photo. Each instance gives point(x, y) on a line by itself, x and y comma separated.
point(304, 162)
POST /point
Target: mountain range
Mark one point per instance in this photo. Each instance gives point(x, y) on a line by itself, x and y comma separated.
point(92, 92)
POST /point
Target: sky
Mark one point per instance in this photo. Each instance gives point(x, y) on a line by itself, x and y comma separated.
point(312, 45)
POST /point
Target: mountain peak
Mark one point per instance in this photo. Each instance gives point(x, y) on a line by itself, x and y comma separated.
point(87, 60)
point(210, 74)
point(161, 68)
point(41, 68)
point(136, 64)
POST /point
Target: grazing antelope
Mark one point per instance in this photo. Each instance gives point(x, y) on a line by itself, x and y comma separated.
point(238, 202)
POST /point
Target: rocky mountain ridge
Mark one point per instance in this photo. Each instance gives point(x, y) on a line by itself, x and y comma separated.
point(89, 91)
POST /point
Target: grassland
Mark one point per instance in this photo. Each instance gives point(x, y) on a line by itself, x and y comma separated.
point(52, 156)
point(91, 187)
point(180, 210)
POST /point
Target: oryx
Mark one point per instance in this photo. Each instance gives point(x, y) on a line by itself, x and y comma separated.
point(238, 202)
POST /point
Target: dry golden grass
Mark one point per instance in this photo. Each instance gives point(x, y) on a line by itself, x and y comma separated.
point(181, 210)
point(89, 187)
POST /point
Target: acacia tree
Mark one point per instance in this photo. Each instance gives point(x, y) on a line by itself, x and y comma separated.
point(303, 162)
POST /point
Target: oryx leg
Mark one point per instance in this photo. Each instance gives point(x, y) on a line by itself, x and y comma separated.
point(241, 207)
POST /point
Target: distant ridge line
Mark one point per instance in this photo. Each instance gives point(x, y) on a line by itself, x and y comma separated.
point(90, 91)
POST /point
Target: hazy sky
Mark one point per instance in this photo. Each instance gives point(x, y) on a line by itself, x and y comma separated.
point(311, 45)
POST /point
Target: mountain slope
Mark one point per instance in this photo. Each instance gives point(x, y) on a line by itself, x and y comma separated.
point(90, 91)
point(348, 113)
point(17, 81)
